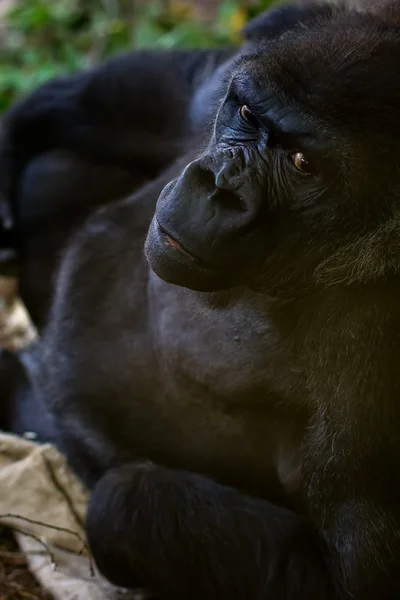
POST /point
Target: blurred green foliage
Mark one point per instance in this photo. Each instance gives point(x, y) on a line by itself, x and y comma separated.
point(40, 39)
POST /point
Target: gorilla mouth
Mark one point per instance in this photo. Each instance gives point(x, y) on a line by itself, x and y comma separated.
point(173, 263)
point(172, 242)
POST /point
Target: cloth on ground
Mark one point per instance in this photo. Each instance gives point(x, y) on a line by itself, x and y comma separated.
point(36, 483)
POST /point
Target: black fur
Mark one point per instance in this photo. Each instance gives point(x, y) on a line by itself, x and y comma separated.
point(239, 425)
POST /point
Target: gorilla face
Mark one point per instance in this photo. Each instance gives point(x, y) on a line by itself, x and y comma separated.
point(293, 180)
point(207, 222)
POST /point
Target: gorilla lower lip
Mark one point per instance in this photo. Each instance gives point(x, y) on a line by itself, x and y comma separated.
point(174, 264)
point(170, 241)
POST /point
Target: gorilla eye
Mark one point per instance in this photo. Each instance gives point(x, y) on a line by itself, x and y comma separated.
point(300, 162)
point(246, 114)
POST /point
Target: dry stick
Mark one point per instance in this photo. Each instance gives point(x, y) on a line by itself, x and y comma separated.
point(40, 541)
point(12, 558)
point(61, 488)
point(53, 527)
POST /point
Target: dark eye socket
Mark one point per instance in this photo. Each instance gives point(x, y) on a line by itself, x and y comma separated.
point(298, 159)
point(301, 163)
point(247, 115)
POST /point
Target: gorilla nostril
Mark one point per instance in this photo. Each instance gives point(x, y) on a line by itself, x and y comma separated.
point(207, 178)
point(222, 187)
point(228, 200)
point(227, 179)
point(229, 174)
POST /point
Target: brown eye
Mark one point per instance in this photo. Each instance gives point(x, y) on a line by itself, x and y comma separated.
point(300, 162)
point(246, 114)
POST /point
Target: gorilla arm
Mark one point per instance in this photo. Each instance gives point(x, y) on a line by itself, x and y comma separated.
point(130, 112)
point(83, 141)
point(188, 537)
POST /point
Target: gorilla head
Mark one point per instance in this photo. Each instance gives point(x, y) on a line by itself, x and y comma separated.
point(297, 181)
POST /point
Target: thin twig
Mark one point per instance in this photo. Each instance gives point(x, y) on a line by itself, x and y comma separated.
point(12, 558)
point(40, 541)
point(52, 472)
point(55, 528)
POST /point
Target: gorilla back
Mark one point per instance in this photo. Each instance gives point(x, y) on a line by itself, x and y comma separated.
point(235, 406)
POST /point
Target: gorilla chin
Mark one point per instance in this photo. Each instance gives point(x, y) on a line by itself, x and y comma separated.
point(174, 264)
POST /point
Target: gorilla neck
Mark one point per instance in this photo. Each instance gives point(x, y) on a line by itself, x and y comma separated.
point(219, 339)
point(214, 359)
point(224, 340)
point(232, 363)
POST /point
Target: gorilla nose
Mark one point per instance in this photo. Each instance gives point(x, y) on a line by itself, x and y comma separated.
point(228, 176)
point(230, 182)
point(209, 208)
point(227, 183)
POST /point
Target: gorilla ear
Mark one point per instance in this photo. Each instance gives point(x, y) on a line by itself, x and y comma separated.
point(274, 22)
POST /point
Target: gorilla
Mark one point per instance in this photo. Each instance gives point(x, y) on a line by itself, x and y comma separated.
point(220, 349)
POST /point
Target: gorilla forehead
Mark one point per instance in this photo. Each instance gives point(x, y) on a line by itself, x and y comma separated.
point(344, 66)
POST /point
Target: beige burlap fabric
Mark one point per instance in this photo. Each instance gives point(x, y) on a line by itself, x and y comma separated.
point(37, 484)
